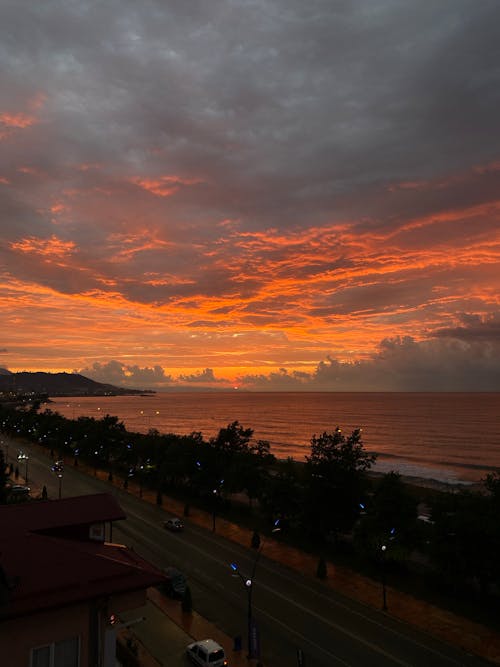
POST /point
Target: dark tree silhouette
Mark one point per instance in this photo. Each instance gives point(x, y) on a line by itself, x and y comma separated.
point(336, 469)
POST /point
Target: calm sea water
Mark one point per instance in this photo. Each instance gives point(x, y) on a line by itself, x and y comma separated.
point(448, 437)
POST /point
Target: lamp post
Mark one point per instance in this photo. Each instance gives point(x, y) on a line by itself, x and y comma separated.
point(216, 495)
point(141, 468)
point(248, 582)
point(383, 549)
point(60, 476)
point(383, 552)
point(24, 457)
point(58, 469)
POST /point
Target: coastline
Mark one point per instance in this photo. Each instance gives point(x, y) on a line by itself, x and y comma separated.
point(439, 462)
point(417, 435)
point(433, 484)
point(419, 483)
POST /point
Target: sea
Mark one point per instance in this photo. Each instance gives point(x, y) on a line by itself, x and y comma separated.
point(451, 438)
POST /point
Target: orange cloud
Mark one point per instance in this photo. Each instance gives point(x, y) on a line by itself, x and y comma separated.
point(47, 248)
point(164, 186)
point(16, 120)
point(10, 122)
point(57, 208)
point(126, 246)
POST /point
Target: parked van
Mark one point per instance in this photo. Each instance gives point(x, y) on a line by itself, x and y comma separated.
point(207, 653)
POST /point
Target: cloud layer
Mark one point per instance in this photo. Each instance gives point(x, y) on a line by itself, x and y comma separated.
point(269, 194)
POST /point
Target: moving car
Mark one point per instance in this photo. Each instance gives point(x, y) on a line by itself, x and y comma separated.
point(173, 524)
point(207, 653)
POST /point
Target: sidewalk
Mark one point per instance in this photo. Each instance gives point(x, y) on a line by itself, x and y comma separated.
point(198, 627)
point(441, 624)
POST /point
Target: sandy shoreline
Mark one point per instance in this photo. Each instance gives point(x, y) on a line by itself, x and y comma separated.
point(433, 484)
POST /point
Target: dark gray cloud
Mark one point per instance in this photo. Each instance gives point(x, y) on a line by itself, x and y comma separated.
point(126, 375)
point(317, 170)
point(474, 329)
point(255, 95)
point(202, 377)
point(401, 364)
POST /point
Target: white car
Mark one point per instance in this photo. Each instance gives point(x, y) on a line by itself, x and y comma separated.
point(207, 653)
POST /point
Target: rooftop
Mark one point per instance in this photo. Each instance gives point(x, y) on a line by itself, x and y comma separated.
point(43, 570)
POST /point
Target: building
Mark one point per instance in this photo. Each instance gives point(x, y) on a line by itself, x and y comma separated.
point(63, 582)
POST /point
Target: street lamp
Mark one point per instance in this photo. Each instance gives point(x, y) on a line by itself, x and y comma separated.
point(216, 495)
point(24, 457)
point(383, 549)
point(251, 630)
point(58, 469)
point(253, 640)
point(139, 474)
point(383, 552)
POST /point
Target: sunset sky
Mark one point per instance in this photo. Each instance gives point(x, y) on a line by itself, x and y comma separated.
point(259, 194)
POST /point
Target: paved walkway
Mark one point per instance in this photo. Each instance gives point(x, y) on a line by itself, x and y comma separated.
point(444, 625)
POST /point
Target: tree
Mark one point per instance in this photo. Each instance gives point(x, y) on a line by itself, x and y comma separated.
point(321, 570)
point(336, 480)
point(492, 486)
point(391, 515)
point(187, 601)
point(255, 541)
point(3, 479)
point(283, 493)
point(466, 542)
point(233, 438)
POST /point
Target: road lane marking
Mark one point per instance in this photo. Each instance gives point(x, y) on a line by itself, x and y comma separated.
point(329, 599)
point(340, 629)
point(274, 567)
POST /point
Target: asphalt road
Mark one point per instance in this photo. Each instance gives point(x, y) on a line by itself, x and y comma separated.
point(292, 611)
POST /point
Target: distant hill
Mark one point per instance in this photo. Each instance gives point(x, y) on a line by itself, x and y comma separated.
point(59, 384)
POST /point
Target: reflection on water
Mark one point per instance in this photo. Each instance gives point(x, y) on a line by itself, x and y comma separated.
point(446, 436)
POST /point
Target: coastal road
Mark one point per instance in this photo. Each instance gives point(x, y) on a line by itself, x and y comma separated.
point(292, 611)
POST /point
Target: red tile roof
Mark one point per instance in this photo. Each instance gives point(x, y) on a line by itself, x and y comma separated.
point(46, 571)
point(49, 514)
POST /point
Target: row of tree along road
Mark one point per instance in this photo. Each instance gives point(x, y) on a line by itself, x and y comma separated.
point(330, 504)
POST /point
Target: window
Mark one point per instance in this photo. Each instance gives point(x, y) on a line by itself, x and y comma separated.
point(40, 657)
point(65, 653)
point(216, 655)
